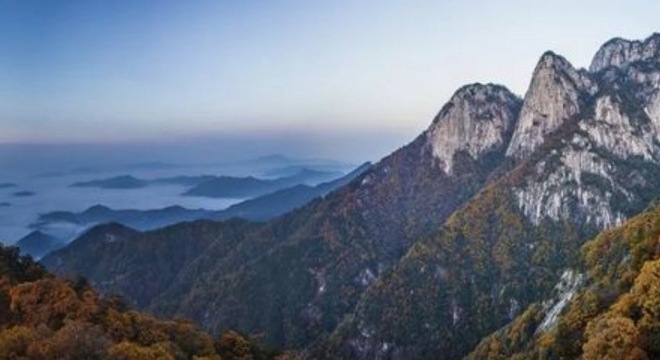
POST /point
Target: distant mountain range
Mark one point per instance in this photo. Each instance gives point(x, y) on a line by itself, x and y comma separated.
point(469, 241)
point(263, 165)
point(218, 186)
point(248, 187)
point(23, 193)
point(260, 208)
point(131, 182)
point(117, 182)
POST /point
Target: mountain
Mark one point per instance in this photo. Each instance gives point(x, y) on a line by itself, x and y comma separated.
point(621, 53)
point(607, 303)
point(131, 182)
point(43, 317)
point(557, 92)
point(38, 244)
point(287, 170)
point(115, 258)
point(184, 180)
point(260, 208)
point(23, 193)
point(117, 182)
point(279, 202)
point(439, 244)
point(216, 186)
point(510, 244)
point(139, 219)
point(298, 275)
point(250, 187)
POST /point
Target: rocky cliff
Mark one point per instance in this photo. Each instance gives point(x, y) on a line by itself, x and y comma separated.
point(478, 120)
point(620, 53)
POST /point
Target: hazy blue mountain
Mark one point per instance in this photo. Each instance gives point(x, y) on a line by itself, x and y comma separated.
point(184, 180)
point(215, 186)
point(139, 219)
point(282, 201)
point(260, 208)
point(38, 244)
point(250, 187)
point(23, 193)
point(117, 182)
point(131, 182)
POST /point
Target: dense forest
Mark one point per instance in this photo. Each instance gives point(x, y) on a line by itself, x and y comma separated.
point(44, 317)
point(615, 315)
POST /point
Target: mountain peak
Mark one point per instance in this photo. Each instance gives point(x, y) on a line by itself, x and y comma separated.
point(550, 59)
point(619, 52)
point(478, 89)
point(477, 120)
point(38, 243)
point(554, 96)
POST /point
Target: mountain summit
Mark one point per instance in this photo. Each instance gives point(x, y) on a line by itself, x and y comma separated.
point(478, 121)
point(620, 53)
point(556, 94)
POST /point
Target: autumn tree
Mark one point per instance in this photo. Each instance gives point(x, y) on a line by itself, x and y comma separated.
point(613, 338)
point(14, 342)
point(131, 351)
point(233, 346)
point(646, 291)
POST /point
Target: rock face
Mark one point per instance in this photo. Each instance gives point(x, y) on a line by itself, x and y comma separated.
point(647, 80)
point(478, 120)
point(582, 180)
point(556, 94)
point(637, 62)
point(620, 52)
point(614, 128)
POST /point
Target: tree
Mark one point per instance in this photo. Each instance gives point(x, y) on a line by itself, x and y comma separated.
point(233, 346)
point(613, 338)
point(15, 341)
point(646, 291)
point(76, 340)
point(131, 351)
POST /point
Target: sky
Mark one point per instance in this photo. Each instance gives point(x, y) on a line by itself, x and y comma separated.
point(349, 78)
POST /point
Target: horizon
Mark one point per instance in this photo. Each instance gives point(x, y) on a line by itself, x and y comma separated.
point(284, 77)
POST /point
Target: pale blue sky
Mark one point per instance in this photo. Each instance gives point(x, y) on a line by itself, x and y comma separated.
point(117, 71)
